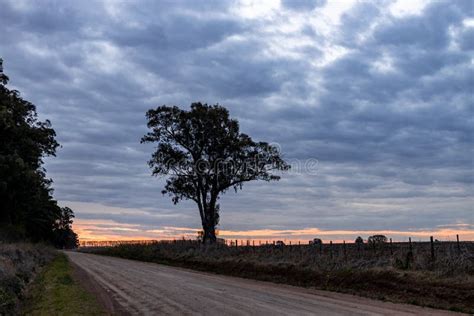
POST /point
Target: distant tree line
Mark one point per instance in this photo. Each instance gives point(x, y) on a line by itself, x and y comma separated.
point(375, 239)
point(28, 210)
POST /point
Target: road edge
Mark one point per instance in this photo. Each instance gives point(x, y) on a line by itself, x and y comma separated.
point(95, 288)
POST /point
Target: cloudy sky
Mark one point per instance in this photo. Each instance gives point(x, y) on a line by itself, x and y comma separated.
point(379, 93)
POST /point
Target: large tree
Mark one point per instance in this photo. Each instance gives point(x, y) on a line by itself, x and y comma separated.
point(27, 208)
point(204, 154)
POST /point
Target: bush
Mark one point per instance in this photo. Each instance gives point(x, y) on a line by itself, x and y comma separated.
point(377, 239)
point(316, 241)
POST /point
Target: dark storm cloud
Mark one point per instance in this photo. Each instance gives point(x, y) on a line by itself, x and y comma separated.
point(390, 120)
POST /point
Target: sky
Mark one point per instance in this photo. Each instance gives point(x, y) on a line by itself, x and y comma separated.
point(371, 102)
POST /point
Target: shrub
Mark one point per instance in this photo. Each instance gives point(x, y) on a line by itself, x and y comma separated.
point(316, 241)
point(377, 239)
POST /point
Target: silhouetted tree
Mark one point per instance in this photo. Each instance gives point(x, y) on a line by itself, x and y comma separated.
point(28, 209)
point(204, 154)
point(64, 235)
point(377, 239)
point(359, 240)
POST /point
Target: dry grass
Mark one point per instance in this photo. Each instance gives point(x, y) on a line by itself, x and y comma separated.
point(19, 263)
point(56, 292)
point(383, 272)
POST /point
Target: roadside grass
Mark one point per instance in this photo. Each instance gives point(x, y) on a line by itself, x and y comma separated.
point(447, 283)
point(19, 264)
point(55, 292)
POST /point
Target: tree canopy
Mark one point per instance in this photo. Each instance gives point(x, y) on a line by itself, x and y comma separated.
point(28, 209)
point(204, 154)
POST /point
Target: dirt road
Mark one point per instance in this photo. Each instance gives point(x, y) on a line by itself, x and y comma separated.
point(152, 289)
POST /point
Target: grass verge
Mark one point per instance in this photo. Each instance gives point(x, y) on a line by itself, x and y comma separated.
point(55, 292)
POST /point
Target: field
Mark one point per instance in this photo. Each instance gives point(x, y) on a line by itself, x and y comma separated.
point(398, 272)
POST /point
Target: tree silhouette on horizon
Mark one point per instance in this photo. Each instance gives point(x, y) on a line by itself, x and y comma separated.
point(204, 154)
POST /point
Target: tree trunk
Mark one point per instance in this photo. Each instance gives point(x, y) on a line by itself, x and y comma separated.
point(209, 222)
point(209, 234)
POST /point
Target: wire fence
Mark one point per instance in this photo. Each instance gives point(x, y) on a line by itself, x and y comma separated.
point(445, 256)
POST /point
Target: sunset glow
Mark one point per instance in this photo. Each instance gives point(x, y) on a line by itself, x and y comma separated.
point(111, 231)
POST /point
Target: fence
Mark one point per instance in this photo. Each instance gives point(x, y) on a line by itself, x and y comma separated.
point(409, 249)
point(445, 257)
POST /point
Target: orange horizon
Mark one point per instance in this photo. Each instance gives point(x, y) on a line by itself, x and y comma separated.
point(106, 230)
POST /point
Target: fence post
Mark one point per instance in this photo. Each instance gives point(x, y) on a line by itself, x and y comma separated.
point(330, 248)
point(344, 245)
point(432, 248)
point(391, 247)
point(458, 245)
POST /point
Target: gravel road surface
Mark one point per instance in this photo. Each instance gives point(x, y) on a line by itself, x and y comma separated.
point(141, 288)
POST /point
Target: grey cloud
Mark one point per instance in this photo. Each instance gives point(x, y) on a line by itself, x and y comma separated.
point(391, 142)
point(466, 39)
point(176, 32)
point(357, 21)
point(299, 5)
point(431, 31)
